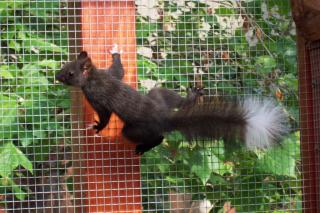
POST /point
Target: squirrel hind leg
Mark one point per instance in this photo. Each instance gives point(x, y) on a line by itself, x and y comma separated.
point(145, 138)
point(148, 145)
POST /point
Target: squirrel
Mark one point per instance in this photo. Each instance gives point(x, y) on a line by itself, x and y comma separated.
point(256, 122)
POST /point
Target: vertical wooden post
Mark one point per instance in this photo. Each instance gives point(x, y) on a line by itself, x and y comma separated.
point(112, 170)
point(307, 130)
point(314, 49)
point(307, 15)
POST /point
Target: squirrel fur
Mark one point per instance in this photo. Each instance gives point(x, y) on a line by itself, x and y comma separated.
point(256, 122)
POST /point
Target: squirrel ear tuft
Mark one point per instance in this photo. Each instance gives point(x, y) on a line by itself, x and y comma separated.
point(83, 55)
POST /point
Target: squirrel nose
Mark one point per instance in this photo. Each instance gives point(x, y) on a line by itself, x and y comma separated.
point(60, 77)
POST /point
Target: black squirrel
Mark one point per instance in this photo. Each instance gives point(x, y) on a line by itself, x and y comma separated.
point(258, 123)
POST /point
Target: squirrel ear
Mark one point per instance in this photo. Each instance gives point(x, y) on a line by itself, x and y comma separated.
point(83, 55)
point(87, 65)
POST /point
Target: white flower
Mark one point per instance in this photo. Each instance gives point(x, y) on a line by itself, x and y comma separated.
point(148, 84)
point(201, 206)
point(145, 51)
point(203, 36)
point(275, 12)
point(273, 32)
point(191, 5)
point(203, 31)
point(179, 2)
point(205, 26)
point(163, 55)
point(176, 14)
point(265, 12)
point(169, 26)
point(147, 3)
point(185, 9)
point(230, 24)
point(251, 38)
point(152, 39)
point(148, 8)
point(152, 13)
point(212, 4)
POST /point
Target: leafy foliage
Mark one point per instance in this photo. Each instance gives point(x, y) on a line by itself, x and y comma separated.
point(231, 48)
point(31, 104)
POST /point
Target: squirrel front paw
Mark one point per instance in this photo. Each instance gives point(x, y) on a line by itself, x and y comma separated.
point(115, 49)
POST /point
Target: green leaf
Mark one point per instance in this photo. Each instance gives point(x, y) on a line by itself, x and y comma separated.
point(146, 66)
point(49, 63)
point(8, 110)
point(39, 133)
point(10, 158)
point(4, 72)
point(290, 81)
point(265, 64)
point(158, 157)
point(200, 165)
point(26, 138)
point(275, 162)
point(225, 11)
point(281, 160)
point(26, 141)
point(291, 145)
point(18, 192)
point(34, 79)
point(14, 45)
point(38, 44)
point(144, 29)
point(217, 179)
point(217, 166)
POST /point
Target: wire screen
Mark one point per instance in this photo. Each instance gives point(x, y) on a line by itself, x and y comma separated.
point(50, 161)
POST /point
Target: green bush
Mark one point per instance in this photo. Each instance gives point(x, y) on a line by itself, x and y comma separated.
point(32, 105)
point(235, 49)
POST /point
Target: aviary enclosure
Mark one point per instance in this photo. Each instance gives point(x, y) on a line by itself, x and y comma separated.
point(51, 162)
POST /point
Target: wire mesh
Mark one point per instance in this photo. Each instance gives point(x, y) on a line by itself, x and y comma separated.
point(50, 162)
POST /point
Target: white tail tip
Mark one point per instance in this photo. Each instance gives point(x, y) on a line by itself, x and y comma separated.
point(266, 123)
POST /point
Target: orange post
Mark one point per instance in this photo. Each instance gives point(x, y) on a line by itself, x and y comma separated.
point(112, 170)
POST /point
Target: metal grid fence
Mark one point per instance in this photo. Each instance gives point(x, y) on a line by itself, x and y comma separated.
point(50, 162)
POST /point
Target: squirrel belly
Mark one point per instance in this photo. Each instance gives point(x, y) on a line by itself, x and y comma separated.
point(256, 122)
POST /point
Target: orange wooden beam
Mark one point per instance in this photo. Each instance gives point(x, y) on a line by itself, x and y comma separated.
point(112, 170)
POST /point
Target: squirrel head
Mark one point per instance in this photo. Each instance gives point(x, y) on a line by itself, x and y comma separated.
point(74, 73)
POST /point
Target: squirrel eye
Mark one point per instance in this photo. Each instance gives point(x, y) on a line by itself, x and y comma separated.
point(70, 73)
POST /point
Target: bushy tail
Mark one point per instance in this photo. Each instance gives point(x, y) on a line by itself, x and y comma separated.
point(258, 123)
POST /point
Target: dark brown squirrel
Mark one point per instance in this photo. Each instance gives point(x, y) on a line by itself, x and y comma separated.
point(256, 122)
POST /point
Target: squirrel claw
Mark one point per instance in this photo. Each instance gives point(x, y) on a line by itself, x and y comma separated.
point(91, 126)
point(115, 49)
